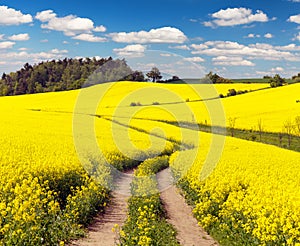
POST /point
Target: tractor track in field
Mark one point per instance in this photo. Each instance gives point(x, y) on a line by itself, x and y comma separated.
point(100, 231)
point(179, 214)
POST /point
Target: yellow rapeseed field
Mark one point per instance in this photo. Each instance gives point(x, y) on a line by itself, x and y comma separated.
point(273, 106)
point(46, 193)
point(253, 193)
point(55, 148)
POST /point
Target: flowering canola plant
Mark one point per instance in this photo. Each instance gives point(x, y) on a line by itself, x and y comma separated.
point(251, 197)
point(46, 195)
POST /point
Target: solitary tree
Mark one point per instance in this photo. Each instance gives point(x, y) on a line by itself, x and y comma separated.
point(231, 122)
point(288, 129)
point(276, 81)
point(297, 125)
point(175, 78)
point(260, 127)
point(296, 77)
point(215, 78)
point(154, 74)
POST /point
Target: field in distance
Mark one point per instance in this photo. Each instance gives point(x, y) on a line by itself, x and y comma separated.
point(38, 154)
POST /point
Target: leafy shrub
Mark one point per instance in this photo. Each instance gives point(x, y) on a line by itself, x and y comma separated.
point(231, 92)
point(133, 104)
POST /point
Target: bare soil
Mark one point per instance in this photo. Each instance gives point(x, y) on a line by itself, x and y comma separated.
point(180, 215)
point(178, 212)
point(100, 232)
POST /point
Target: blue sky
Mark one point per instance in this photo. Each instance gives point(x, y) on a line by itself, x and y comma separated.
point(233, 38)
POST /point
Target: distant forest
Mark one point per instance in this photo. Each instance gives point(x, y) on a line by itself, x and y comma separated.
point(70, 74)
point(66, 74)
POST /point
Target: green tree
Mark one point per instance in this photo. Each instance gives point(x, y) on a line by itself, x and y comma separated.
point(154, 74)
point(296, 78)
point(213, 77)
point(260, 128)
point(54, 75)
point(288, 129)
point(297, 125)
point(277, 81)
point(216, 79)
point(232, 121)
point(231, 92)
point(135, 76)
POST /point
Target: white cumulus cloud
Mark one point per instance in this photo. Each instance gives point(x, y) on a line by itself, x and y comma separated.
point(260, 51)
point(290, 47)
point(159, 35)
point(180, 47)
point(10, 16)
point(231, 61)
point(6, 45)
point(23, 49)
point(89, 38)
point(236, 16)
point(294, 18)
point(45, 16)
point(23, 56)
point(134, 50)
point(70, 25)
point(268, 35)
point(252, 35)
point(194, 59)
point(19, 37)
point(15, 60)
point(100, 28)
point(57, 51)
point(277, 69)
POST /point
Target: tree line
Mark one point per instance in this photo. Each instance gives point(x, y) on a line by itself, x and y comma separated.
point(66, 74)
point(70, 74)
point(55, 75)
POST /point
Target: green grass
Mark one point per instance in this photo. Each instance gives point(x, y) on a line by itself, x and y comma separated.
point(250, 80)
point(272, 138)
point(259, 80)
point(234, 81)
